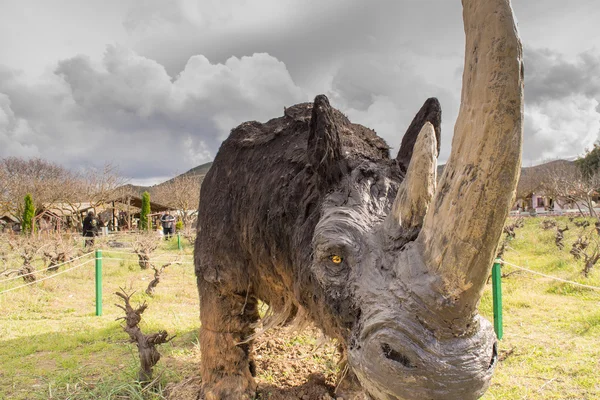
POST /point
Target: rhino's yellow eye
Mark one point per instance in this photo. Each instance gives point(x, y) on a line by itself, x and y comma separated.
point(335, 259)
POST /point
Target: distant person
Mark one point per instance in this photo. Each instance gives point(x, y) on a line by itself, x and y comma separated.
point(168, 224)
point(91, 224)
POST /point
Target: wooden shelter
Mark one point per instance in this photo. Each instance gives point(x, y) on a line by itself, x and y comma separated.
point(135, 201)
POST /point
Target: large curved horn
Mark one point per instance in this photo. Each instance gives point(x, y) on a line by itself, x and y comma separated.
point(464, 222)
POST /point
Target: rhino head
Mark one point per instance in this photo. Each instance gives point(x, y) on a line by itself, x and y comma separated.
point(405, 261)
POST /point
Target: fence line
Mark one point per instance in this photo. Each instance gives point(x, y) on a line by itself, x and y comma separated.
point(149, 261)
point(118, 252)
point(550, 276)
point(46, 269)
point(47, 277)
point(134, 254)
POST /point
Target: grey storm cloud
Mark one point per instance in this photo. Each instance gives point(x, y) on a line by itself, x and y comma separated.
point(562, 97)
point(550, 76)
point(187, 72)
point(128, 110)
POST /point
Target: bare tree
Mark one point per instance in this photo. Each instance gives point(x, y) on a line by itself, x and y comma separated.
point(47, 182)
point(569, 186)
point(55, 187)
point(102, 184)
point(96, 186)
point(5, 198)
point(182, 194)
point(530, 182)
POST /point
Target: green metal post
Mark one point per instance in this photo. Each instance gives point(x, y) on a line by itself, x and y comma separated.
point(497, 297)
point(178, 241)
point(98, 282)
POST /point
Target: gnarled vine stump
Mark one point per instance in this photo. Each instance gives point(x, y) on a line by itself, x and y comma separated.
point(146, 344)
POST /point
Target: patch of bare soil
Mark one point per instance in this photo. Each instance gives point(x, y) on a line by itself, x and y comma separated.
point(289, 366)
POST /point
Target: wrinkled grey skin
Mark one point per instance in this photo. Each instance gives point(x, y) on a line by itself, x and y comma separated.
point(309, 214)
point(400, 348)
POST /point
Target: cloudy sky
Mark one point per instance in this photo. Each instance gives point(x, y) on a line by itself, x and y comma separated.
point(155, 87)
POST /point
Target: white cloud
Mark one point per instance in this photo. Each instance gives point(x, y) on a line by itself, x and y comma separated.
point(384, 92)
point(127, 109)
point(186, 72)
point(15, 133)
point(561, 128)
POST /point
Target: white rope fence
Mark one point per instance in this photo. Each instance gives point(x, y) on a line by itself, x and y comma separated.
point(47, 277)
point(550, 276)
point(46, 269)
point(160, 258)
point(149, 261)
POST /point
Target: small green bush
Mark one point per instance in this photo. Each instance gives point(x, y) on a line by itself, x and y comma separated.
point(28, 215)
point(145, 224)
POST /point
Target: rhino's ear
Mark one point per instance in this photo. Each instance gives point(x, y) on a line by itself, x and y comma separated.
point(324, 145)
point(431, 112)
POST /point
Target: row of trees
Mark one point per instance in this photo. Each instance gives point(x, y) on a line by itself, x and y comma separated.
point(48, 185)
point(569, 183)
point(181, 193)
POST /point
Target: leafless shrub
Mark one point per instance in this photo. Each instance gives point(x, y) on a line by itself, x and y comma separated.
point(558, 240)
point(144, 245)
point(502, 248)
point(509, 229)
point(27, 248)
point(58, 251)
point(189, 234)
point(548, 223)
point(157, 274)
point(582, 224)
point(579, 246)
point(146, 344)
point(581, 249)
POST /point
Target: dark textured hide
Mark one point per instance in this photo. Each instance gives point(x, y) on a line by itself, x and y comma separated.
point(269, 186)
point(308, 214)
point(263, 197)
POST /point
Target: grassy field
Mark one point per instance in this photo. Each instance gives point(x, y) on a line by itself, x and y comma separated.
point(551, 345)
point(53, 346)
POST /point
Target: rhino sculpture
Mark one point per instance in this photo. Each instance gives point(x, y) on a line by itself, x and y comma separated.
point(309, 214)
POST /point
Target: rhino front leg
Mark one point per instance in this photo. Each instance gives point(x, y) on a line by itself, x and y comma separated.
point(227, 367)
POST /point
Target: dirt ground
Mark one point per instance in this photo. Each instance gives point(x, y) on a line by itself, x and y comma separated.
point(289, 366)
